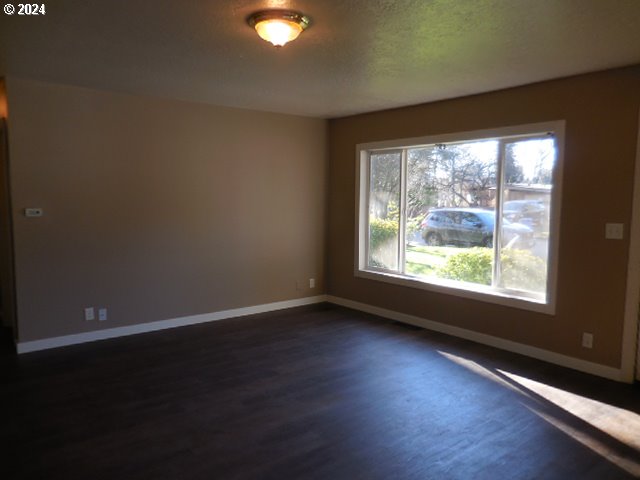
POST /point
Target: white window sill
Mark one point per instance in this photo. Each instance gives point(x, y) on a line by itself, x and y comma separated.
point(472, 291)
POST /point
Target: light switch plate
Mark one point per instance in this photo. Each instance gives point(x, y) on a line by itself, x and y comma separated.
point(33, 212)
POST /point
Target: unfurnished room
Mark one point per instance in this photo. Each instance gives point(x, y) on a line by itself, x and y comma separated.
point(295, 239)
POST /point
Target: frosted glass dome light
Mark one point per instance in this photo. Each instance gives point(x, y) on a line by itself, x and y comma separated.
point(278, 26)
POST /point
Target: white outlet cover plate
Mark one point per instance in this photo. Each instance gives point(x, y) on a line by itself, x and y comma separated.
point(614, 231)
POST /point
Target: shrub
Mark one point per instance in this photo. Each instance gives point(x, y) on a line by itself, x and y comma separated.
point(521, 269)
point(472, 265)
point(413, 225)
point(381, 231)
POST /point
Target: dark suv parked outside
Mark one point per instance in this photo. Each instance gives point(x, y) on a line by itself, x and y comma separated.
point(471, 227)
point(528, 212)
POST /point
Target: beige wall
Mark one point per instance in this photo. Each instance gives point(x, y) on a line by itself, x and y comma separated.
point(158, 209)
point(601, 113)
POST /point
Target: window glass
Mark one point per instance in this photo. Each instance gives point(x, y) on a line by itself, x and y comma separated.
point(446, 185)
point(526, 194)
point(384, 210)
point(470, 215)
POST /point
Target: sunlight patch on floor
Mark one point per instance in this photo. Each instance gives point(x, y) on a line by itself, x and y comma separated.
point(620, 424)
point(480, 370)
point(593, 444)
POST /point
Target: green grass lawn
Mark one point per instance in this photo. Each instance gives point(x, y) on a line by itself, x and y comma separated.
point(424, 260)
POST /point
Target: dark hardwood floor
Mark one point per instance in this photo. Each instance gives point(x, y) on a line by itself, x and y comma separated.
point(320, 393)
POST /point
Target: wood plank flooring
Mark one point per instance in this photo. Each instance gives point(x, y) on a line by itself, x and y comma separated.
point(318, 393)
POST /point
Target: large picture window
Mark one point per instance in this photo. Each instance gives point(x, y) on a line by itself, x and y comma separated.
point(473, 214)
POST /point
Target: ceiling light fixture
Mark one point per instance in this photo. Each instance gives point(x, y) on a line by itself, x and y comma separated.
point(278, 26)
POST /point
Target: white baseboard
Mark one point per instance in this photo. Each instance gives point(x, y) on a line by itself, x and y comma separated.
point(534, 352)
point(527, 350)
point(65, 340)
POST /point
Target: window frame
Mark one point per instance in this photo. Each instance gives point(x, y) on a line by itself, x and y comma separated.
point(482, 293)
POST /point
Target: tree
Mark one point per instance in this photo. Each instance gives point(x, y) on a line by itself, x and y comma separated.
point(512, 169)
point(385, 184)
point(461, 176)
point(421, 189)
point(532, 160)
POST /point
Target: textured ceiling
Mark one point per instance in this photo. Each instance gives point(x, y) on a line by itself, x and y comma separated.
point(357, 56)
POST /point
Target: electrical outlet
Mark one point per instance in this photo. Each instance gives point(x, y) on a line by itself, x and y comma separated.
point(102, 314)
point(587, 340)
point(312, 283)
point(89, 314)
point(614, 231)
